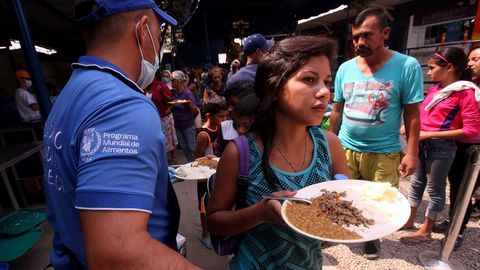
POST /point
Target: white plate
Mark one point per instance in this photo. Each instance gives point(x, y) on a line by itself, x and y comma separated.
point(174, 102)
point(189, 167)
point(386, 221)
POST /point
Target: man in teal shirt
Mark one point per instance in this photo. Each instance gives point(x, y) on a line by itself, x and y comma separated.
point(371, 91)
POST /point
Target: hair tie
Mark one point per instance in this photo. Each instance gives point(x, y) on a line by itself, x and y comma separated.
point(441, 57)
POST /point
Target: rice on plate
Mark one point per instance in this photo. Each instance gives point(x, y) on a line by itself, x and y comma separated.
point(195, 171)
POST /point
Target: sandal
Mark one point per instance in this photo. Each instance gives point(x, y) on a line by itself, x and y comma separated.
point(415, 239)
point(407, 227)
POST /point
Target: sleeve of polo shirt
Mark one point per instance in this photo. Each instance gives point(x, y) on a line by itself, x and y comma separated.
point(121, 151)
point(470, 113)
point(412, 90)
point(338, 94)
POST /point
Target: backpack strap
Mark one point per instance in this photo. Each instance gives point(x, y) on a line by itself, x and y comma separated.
point(243, 155)
point(244, 162)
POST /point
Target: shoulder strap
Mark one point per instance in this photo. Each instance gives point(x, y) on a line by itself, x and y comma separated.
point(208, 135)
point(244, 162)
point(243, 155)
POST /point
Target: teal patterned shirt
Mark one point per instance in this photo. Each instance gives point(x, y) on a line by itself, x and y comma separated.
point(270, 246)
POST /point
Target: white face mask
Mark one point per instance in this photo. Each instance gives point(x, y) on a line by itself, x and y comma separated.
point(147, 70)
point(28, 83)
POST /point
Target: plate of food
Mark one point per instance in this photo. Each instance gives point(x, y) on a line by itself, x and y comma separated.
point(200, 169)
point(347, 211)
point(179, 101)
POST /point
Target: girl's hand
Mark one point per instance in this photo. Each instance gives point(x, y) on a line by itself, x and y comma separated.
point(272, 208)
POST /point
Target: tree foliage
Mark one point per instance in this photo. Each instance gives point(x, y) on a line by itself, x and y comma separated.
point(181, 10)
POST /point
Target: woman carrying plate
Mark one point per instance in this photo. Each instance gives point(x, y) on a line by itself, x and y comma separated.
point(161, 95)
point(287, 152)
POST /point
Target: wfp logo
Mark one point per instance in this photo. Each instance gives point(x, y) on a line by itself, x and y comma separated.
point(91, 142)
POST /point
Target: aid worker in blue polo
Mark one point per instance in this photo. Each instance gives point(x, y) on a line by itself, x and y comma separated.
point(110, 203)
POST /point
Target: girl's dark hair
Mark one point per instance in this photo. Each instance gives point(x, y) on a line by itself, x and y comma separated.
point(455, 56)
point(275, 68)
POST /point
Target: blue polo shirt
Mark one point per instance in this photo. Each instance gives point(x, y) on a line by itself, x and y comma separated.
point(104, 150)
point(246, 73)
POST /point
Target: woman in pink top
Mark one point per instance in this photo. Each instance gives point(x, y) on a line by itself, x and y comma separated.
point(458, 167)
point(448, 113)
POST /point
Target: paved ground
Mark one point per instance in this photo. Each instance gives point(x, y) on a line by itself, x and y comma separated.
point(397, 255)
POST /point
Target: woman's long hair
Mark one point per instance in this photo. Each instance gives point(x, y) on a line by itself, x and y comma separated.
point(275, 68)
point(457, 57)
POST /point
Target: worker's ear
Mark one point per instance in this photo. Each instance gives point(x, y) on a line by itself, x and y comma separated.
point(386, 32)
point(141, 31)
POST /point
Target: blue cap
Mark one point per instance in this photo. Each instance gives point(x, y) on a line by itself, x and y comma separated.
point(110, 7)
point(254, 42)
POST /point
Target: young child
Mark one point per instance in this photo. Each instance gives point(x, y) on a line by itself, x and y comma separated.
point(235, 92)
point(286, 152)
point(215, 111)
point(242, 119)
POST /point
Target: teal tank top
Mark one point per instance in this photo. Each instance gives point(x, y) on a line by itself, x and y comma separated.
point(270, 246)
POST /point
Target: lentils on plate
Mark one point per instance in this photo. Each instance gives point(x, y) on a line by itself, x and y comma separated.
point(326, 215)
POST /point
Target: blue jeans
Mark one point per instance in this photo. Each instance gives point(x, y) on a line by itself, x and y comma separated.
point(186, 140)
point(435, 159)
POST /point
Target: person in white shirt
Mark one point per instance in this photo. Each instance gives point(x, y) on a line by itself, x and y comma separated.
point(26, 102)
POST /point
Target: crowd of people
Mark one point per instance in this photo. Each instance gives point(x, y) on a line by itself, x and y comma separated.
point(113, 131)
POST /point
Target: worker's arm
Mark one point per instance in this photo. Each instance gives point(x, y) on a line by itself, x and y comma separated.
point(120, 240)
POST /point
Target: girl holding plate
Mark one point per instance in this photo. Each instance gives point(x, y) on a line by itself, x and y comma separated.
point(287, 152)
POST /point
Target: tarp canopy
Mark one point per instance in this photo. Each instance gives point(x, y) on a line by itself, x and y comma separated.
point(52, 25)
point(265, 16)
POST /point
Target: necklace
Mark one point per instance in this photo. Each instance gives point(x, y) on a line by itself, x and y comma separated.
point(286, 158)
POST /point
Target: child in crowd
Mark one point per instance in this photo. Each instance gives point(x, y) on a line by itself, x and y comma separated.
point(237, 91)
point(448, 113)
point(242, 118)
point(292, 86)
point(215, 111)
